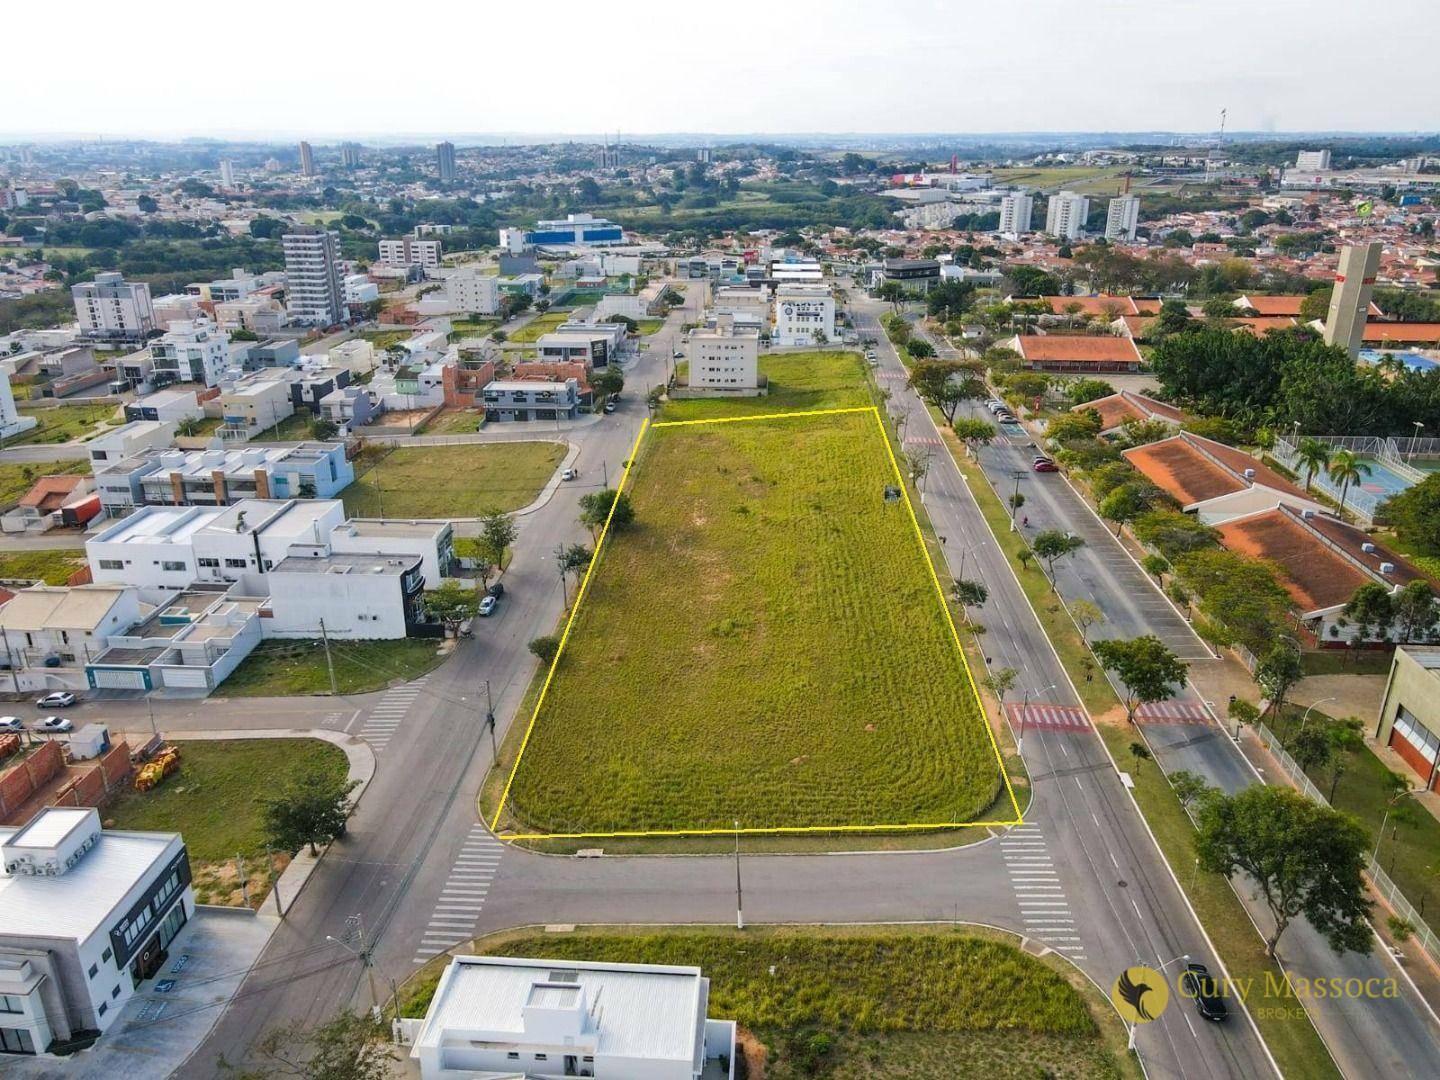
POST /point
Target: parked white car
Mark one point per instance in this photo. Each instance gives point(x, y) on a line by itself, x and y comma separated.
point(54, 723)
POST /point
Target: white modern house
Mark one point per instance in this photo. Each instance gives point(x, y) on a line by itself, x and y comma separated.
point(50, 632)
point(176, 405)
point(87, 917)
point(511, 1017)
point(804, 315)
point(354, 596)
point(192, 352)
point(128, 440)
point(432, 542)
point(357, 356)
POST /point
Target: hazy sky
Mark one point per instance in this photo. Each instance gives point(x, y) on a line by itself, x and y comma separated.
point(333, 67)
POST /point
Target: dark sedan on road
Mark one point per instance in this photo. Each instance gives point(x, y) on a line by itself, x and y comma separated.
point(1202, 987)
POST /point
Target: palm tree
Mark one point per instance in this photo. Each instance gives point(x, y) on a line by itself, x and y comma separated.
point(1346, 469)
point(1314, 456)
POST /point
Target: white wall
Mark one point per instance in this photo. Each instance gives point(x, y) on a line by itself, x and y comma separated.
point(355, 605)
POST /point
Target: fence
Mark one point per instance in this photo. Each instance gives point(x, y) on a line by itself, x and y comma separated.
point(1364, 504)
point(1387, 889)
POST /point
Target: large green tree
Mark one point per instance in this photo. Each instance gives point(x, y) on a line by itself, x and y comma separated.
point(1305, 859)
point(1415, 514)
point(308, 811)
point(945, 384)
point(1149, 671)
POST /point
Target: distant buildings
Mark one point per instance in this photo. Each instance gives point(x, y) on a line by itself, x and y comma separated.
point(575, 230)
point(113, 311)
point(307, 160)
point(227, 173)
point(314, 295)
point(407, 251)
point(1065, 215)
point(445, 161)
point(1312, 160)
point(1122, 218)
point(191, 352)
point(1015, 213)
point(349, 155)
point(922, 274)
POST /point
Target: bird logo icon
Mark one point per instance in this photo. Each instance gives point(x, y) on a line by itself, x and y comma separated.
point(1140, 994)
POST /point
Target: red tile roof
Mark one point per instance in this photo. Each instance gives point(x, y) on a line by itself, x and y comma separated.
point(1315, 575)
point(1116, 409)
point(1193, 469)
point(1078, 348)
point(1399, 333)
point(51, 492)
point(1283, 305)
point(1104, 305)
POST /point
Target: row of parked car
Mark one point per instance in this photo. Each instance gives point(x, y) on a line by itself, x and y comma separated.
point(1003, 413)
point(58, 699)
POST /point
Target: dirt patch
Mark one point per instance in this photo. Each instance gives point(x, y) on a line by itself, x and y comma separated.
point(750, 1055)
point(219, 882)
point(1114, 717)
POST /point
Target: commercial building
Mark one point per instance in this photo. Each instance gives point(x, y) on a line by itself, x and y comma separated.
point(1015, 214)
point(314, 295)
point(1214, 481)
point(407, 251)
point(751, 301)
point(113, 311)
point(1065, 215)
point(1410, 711)
point(531, 399)
point(503, 1016)
point(922, 274)
point(592, 344)
point(445, 161)
point(355, 596)
point(220, 477)
point(574, 230)
point(87, 917)
point(1313, 160)
point(432, 542)
point(191, 352)
point(307, 160)
point(1122, 218)
point(804, 315)
point(1350, 299)
point(724, 356)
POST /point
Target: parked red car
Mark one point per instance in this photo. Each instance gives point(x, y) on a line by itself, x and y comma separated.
point(1045, 464)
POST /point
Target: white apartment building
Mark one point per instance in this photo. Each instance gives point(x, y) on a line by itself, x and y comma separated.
point(1122, 217)
point(227, 173)
point(87, 918)
point(1313, 160)
point(313, 291)
point(1065, 215)
point(408, 251)
point(725, 356)
point(11, 422)
point(192, 352)
point(1015, 214)
point(111, 309)
point(307, 160)
point(804, 315)
point(471, 291)
point(511, 1016)
point(445, 160)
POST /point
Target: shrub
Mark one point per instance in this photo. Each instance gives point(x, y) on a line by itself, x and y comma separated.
point(1155, 565)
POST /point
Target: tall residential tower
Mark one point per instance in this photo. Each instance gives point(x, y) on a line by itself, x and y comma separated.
point(314, 295)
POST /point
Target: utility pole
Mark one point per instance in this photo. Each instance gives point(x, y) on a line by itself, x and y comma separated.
point(329, 663)
point(490, 721)
point(10, 661)
point(605, 474)
point(739, 896)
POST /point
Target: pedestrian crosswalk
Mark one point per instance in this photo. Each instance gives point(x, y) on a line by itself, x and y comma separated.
point(388, 715)
point(463, 895)
point(1173, 712)
point(923, 440)
point(1044, 911)
point(1052, 717)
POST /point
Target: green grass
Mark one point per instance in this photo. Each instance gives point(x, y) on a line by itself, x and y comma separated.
point(1410, 853)
point(1060, 176)
point(16, 480)
point(764, 643)
point(453, 481)
point(825, 379)
point(214, 802)
point(283, 668)
point(383, 339)
point(471, 328)
point(541, 324)
point(916, 1003)
point(294, 428)
point(1346, 662)
point(63, 423)
point(454, 422)
point(53, 566)
point(646, 327)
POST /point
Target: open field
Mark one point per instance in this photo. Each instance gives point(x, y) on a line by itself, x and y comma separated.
point(53, 566)
point(279, 668)
point(541, 324)
point(62, 423)
point(889, 1001)
point(16, 480)
point(383, 339)
point(824, 379)
point(821, 686)
point(463, 481)
point(454, 422)
point(1048, 178)
point(294, 428)
point(213, 801)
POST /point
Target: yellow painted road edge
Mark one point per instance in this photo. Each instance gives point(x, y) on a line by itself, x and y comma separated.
point(779, 829)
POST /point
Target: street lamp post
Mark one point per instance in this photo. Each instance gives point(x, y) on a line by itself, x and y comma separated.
point(1419, 426)
point(363, 953)
point(1306, 715)
point(1025, 708)
point(1389, 806)
point(1014, 499)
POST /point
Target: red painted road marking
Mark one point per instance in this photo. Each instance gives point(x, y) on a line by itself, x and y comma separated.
point(1173, 712)
point(1050, 717)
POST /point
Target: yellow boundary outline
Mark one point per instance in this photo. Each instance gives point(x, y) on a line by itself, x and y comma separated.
point(645, 427)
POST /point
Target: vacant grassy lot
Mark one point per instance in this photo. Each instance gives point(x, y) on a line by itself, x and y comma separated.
point(763, 643)
point(294, 428)
point(282, 668)
point(914, 1004)
point(16, 480)
point(471, 327)
point(53, 566)
point(383, 339)
point(541, 324)
point(824, 379)
point(63, 423)
point(453, 481)
point(454, 422)
point(646, 327)
point(213, 801)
